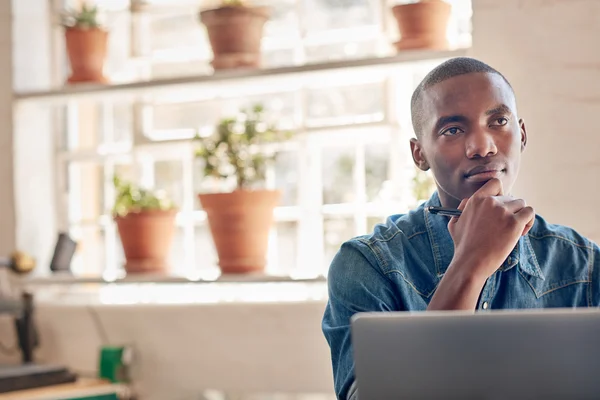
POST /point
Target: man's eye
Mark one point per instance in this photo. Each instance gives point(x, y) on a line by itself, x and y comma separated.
point(500, 121)
point(451, 131)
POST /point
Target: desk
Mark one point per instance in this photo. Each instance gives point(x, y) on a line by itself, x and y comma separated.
point(83, 389)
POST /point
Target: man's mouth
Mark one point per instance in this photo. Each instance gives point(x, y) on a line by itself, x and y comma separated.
point(484, 173)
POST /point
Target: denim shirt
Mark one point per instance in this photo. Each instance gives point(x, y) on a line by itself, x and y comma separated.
point(399, 266)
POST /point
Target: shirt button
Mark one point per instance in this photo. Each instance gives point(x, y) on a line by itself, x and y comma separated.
point(485, 305)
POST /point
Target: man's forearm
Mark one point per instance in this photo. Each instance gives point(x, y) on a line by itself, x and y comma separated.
point(457, 291)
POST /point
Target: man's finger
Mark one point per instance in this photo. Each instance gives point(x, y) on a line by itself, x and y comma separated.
point(526, 216)
point(463, 204)
point(493, 187)
point(516, 205)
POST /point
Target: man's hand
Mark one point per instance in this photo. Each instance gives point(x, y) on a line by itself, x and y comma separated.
point(484, 235)
point(488, 229)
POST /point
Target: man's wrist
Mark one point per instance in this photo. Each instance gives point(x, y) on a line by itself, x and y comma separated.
point(463, 276)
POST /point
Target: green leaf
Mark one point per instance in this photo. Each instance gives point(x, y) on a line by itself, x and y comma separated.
point(130, 198)
point(230, 151)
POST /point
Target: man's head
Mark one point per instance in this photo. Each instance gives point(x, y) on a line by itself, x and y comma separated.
point(464, 114)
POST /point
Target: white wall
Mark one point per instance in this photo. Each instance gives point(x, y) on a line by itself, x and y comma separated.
point(180, 350)
point(34, 212)
point(7, 203)
point(549, 51)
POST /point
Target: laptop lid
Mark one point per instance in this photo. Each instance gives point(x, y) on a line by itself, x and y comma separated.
point(526, 354)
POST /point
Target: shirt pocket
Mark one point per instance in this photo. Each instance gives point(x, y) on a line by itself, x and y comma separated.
point(566, 271)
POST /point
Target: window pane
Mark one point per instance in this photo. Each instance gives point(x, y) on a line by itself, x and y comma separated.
point(278, 58)
point(423, 186)
point(181, 30)
point(342, 51)
point(168, 177)
point(322, 15)
point(183, 119)
point(372, 222)
point(283, 23)
point(286, 177)
point(338, 175)
point(329, 106)
point(83, 122)
point(86, 192)
point(286, 246)
point(91, 125)
point(185, 116)
point(125, 171)
point(122, 119)
point(89, 258)
point(376, 170)
point(337, 230)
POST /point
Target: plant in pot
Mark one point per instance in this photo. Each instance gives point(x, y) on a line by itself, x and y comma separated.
point(86, 43)
point(422, 24)
point(235, 31)
point(145, 221)
point(240, 220)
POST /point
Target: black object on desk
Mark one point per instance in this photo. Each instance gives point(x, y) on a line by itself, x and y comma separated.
point(30, 376)
point(63, 253)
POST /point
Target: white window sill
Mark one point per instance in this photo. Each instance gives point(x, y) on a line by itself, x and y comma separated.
point(68, 279)
point(173, 292)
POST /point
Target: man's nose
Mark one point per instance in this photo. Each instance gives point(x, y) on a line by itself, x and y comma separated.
point(480, 143)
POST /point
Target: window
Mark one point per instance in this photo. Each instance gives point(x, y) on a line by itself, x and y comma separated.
point(347, 168)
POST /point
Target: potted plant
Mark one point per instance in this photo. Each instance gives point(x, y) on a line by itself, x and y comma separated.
point(235, 31)
point(86, 43)
point(240, 221)
point(422, 24)
point(145, 221)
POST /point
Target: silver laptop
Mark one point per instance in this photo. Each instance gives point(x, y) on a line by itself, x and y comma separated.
point(528, 354)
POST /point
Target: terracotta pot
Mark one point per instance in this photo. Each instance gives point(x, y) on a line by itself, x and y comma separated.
point(235, 35)
point(240, 223)
point(422, 25)
point(146, 238)
point(86, 49)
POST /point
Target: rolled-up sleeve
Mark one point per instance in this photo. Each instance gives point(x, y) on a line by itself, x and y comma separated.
point(355, 284)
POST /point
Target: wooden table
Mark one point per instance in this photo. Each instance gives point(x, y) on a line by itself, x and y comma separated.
point(83, 388)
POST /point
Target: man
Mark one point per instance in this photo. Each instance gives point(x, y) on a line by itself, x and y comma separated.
point(497, 254)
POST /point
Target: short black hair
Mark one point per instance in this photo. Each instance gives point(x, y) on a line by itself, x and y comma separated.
point(446, 70)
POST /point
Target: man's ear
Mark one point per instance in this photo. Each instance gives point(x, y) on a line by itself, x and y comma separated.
point(418, 155)
point(523, 135)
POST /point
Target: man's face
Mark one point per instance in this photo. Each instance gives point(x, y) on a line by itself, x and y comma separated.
point(470, 134)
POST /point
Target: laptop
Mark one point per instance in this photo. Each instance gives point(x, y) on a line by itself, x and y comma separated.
point(526, 354)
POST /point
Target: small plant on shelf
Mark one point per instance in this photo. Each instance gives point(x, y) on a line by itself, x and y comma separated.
point(86, 18)
point(145, 220)
point(422, 24)
point(131, 198)
point(86, 41)
point(231, 151)
point(235, 31)
point(240, 221)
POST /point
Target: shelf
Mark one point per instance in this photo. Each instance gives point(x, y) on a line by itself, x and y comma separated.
point(231, 83)
point(66, 279)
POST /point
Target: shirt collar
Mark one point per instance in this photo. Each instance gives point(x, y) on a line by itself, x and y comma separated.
point(443, 246)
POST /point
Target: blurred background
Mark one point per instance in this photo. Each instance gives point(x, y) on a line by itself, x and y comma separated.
point(333, 74)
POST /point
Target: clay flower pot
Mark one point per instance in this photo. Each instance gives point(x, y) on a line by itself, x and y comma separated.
point(240, 223)
point(86, 49)
point(422, 25)
point(235, 34)
point(146, 237)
